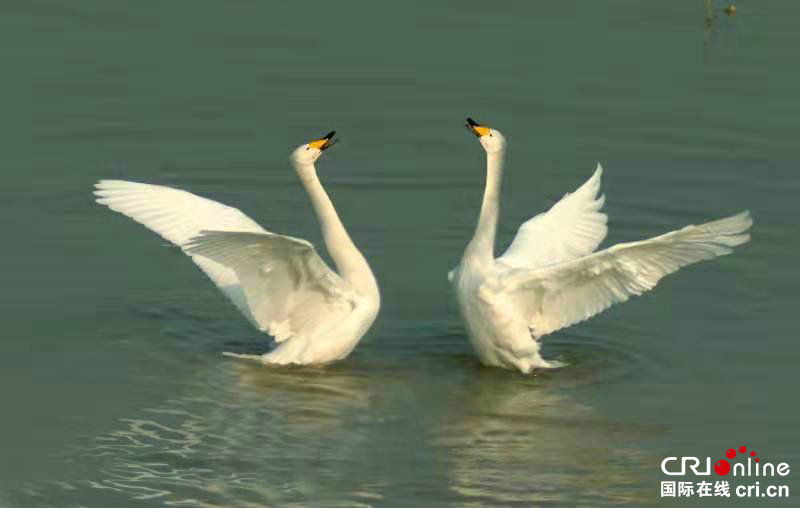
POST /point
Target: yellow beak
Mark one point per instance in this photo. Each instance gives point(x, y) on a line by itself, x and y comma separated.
point(324, 142)
point(476, 128)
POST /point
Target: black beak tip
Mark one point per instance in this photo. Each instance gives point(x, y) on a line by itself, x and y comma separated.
point(329, 135)
point(472, 122)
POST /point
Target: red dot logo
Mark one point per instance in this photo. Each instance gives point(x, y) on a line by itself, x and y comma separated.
point(730, 453)
point(742, 449)
point(722, 467)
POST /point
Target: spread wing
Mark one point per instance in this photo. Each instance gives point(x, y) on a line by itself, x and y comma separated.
point(572, 228)
point(558, 296)
point(180, 217)
point(289, 289)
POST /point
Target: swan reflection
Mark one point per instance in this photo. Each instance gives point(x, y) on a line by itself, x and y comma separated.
point(242, 435)
point(513, 440)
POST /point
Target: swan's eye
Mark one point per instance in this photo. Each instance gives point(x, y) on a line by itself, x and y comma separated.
point(308, 147)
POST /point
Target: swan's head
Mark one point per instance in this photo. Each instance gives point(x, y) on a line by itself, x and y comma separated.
point(491, 140)
point(309, 152)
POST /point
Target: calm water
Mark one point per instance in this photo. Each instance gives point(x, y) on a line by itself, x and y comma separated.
point(113, 390)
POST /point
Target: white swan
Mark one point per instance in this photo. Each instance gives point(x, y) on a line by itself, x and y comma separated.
point(278, 282)
point(550, 277)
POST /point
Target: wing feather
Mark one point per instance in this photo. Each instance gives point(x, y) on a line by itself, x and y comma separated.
point(558, 296)
point(177, 215)
point(289, 288)
point(573, 227)
point(273, 280)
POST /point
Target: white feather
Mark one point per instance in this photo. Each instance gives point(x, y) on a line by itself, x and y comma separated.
point(177, 216)
point(560, 295)
point(289, 289)
point(573, 227)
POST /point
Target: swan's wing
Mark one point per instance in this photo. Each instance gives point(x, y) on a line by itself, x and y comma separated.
point(177, 216)
point(289, 289)
point(557, 296)
point(572, 228)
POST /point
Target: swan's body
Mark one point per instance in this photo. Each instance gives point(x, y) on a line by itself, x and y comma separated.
point(550, 277)
point(280, 283)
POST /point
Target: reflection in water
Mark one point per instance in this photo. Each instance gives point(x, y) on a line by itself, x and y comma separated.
point(244, 435)
point(247, 436)
point(514, 440)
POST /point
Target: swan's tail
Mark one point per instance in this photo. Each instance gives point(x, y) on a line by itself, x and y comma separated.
point(256, 358)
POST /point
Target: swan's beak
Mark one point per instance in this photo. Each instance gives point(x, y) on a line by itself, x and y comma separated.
point(324, 142)
point(476, 128)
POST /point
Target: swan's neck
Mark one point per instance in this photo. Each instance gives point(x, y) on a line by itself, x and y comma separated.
point(349, 262)
point(482, 245)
